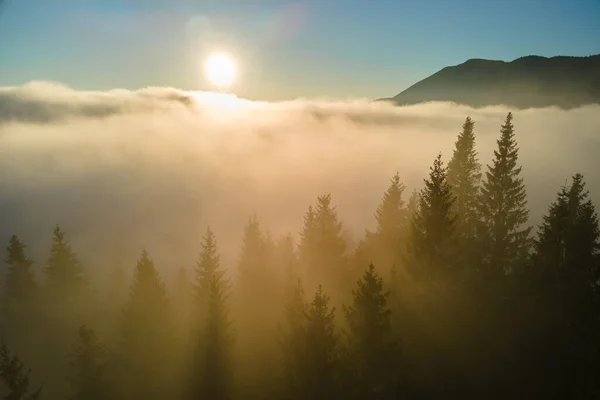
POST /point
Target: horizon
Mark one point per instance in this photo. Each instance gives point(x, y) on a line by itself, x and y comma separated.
point(91, 45)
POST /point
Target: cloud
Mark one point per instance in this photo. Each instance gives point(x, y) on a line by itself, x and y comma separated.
point(125, 170)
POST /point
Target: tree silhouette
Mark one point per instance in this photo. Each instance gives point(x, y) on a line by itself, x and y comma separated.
point(321, 377)
point(88, 367)
point(147, 329)
point(217, 374)
point(464, 175)
point(16, 380)
point(373, 351)
point(433, 224)
point(322, 248)
point(503, 206)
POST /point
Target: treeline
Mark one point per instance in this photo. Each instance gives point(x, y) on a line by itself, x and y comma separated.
point(451, 296)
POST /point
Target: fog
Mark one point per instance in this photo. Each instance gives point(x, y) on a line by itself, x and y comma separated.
point(124, 170)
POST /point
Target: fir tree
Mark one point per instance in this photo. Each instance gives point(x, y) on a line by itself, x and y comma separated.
point(209, 264)
point(88, 365)
point(64, 273)
point(19, 283)
point(253, 266)
point(392, 227)
point(464, 175)
point(16, 380)
point(565, 259)
point(433, 223)
point(567, 243)
point(293, 342)
point(412, 207)
point(503, 206)
point(20, 294)
point(373, 351)
point(147, 330)
point(322, 246)
point(321, 378)
point(216, 381)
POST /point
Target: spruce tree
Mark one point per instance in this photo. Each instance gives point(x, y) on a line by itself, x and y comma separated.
point(209, 264)
point(412, 207)
point(64, 273)
point(322, 248)
point(20, 294)
point(16, 380)
point(464, 175)
point(217, 374)
point(88, 367)
point(253, 266)
point(433, 224)
point(389, 239)
point(502, 206)
point(566, 265)
point(212, 364)
point(19, 283)
point(321, 379)
point(147, 330)
point(568, 240)
point(293, 343)
point(373, 350)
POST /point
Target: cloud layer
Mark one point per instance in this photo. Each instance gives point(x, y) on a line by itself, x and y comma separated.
point(122, 170)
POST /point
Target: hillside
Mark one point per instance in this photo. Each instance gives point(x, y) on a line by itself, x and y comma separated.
point(526, 82)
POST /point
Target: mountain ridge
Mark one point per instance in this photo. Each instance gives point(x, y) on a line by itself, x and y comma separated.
point(530, 81)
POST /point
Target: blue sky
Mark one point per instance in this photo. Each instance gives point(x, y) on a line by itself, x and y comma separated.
point(285, 49)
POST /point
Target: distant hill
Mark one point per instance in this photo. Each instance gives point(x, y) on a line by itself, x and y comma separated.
point(526, 82)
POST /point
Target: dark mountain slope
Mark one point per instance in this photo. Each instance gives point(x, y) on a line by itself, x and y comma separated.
point(526, 82)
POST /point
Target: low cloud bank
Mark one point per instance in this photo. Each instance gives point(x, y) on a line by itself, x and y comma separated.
point(125, 170)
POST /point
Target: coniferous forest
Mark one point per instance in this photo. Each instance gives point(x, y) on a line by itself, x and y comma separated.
point(454, 295)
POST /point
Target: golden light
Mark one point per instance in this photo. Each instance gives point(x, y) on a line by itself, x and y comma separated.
point(220, 70)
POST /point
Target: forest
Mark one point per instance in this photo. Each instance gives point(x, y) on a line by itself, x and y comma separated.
point(454, 294)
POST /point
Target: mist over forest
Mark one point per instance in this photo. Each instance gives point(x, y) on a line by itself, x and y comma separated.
point(199, 245)
point(122, 170)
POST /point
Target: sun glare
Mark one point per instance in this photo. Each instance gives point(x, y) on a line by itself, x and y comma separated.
point(220, 70)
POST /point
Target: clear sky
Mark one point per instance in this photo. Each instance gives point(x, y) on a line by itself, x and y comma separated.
point(285, 49)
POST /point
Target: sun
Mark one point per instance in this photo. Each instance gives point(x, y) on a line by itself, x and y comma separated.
point(220, 70)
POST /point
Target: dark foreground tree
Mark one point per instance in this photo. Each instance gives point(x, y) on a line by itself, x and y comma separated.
point(432, 249)
point(17, 380)
point(321, 378)
point(88, 367)
point(217, 377)
point(372, 348)
point(293, 343)
point(464, 175)
point(147, 329)
point(503, 207)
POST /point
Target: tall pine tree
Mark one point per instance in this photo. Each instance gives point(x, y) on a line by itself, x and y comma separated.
point(217, 374)
point(322, 248)
point(293, 343)
point(64, 273)
point(390, 238)
point(209, 264)
point(20, 293)
point(19, 283)
point(88, 367)
point(147, 329)
point(502, 206)
point(373, 350)
point(433, 224)
point(17, 380)
point(566, 279)
point(464, 176)
point(321, 378)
